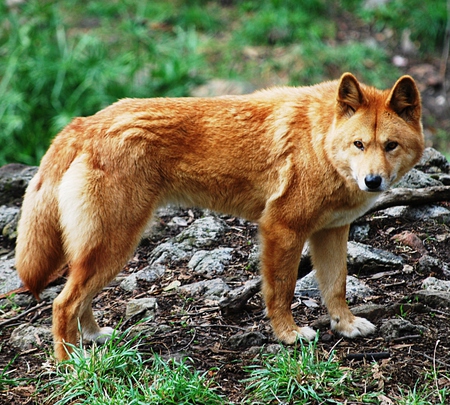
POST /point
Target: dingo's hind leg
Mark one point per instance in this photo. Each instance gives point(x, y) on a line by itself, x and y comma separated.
point(89, 273)
point(281, 253)
point(102, 218)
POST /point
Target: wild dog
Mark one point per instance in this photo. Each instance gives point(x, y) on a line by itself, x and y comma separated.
point(301, 162)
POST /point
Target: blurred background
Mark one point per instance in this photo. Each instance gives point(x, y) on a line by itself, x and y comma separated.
point(67, 58)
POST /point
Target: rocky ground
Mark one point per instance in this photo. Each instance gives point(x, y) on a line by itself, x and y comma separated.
point(186, 270)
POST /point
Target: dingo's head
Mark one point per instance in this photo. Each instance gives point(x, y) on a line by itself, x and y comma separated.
point(376, 135)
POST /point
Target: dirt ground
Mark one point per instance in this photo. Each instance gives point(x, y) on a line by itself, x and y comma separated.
point(200, 331)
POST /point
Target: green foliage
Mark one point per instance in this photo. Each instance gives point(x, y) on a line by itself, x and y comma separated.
point(52, 71)
point(61, 59)
point(284, 22)
point(116, 373)
point(426, 20)
point(300, 377)
point(6, 381)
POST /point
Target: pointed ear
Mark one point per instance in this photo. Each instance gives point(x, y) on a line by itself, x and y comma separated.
point(404, 99)
point(349, 96)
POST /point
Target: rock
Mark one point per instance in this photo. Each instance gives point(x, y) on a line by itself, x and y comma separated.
point(253, 261)
point(9, 279)
point(202, 233)
point(9, 217)
point(433, 299)
point(210, 289)
point(151, 273)
point(211, 262)
point(428, 264)
point(50, 293)
point(397, 327)
point(308, 286)
point(27, 336)
point(432, 160)
point(359, 232)
point(170, 252)
point(417, 179)
point(145, 306)
point(248, 339)
point(361, 257)
point(372, 312)
point(14, 179)
point(434, 284)
point(129, 283)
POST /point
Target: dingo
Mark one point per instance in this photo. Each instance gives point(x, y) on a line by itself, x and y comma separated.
point(302, 162)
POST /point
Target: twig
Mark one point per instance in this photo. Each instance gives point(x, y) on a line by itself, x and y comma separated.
point(368, 356)
point(434, 370)
point(190, 342)
point(431, 358)
point(22, 314)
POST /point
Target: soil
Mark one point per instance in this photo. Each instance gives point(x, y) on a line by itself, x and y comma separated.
point(199, 330)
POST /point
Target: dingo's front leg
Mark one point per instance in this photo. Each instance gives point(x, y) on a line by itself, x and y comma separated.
point(329, 256)
point(281, 254)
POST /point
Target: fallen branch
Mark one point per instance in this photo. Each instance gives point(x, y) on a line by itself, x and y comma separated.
point(410, 196)
point(368, 356)
point(237, 299)
point(22, 314)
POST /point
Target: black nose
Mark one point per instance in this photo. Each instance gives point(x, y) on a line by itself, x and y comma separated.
point(373, 181)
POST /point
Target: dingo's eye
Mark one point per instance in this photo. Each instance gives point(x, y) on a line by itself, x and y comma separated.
point(359, 145)
point(391, 146)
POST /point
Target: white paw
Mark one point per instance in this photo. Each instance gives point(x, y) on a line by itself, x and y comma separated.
point(359, 327)
point(307, 333)
point(99, 336)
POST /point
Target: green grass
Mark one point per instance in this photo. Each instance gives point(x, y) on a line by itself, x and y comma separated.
point(116, 373)
point(61, 59)
point(302, 376)
point(6, 378)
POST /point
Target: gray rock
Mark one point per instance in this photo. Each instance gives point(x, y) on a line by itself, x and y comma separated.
point(359, 232)
point(151, 273)
point(434, 284)
point(8, 216)
point(203, 232)
point(145, 306)
point(433, 299)
point(429, 264)
point(14, 179)
point(361, 257)
point(248, 339)
point(50, 293)
point(308, 286)
point(210, 289)
point(9, 279)
point(432, 159)
point(397, 327)
point(417, 179)
point(129, 283)
point(170, 252)
point(210, 262)
point(27, 336)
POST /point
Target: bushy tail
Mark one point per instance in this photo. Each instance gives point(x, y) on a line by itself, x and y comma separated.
point(39, 250)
